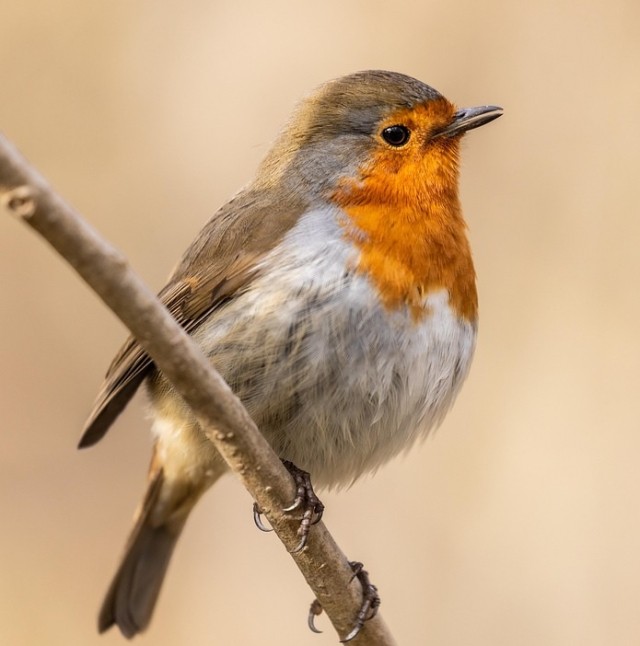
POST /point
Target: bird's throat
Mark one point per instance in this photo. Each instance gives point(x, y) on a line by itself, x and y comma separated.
point(408, 225)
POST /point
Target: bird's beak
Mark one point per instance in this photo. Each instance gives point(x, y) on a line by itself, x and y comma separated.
point(469, 118)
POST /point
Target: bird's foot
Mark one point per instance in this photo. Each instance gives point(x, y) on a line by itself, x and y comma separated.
point(367, 610)
point(305, 499)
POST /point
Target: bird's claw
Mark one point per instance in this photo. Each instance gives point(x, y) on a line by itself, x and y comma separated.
point(314, 610)
point(313, 508)
point(305, 499)
point(370, 600)
point(257, 519)
point(368, 609)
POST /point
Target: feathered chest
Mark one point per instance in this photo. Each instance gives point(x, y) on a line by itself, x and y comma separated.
point(316, 354)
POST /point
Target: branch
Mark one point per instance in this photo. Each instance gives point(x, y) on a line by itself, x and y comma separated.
point(219, 412)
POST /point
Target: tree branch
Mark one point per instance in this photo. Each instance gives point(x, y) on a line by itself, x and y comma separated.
point(227, 424)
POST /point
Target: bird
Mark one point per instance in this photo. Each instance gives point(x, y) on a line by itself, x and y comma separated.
point(336, 295)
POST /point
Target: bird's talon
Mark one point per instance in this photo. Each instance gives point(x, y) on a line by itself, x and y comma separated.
point(296, 503)
point(306, 500)
point(257, 519)
point(351, 635)
point(314, 611)
point(300, 546)
point(368, 609)
point(370, 600)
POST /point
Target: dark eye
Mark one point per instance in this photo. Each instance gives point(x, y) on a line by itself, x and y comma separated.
point(396, 135)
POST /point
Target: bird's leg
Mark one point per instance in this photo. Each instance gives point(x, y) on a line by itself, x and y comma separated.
point(305, 499)
point(313, 508)
point(368, 608)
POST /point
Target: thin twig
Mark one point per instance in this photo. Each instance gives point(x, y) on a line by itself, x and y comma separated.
point(27, 195)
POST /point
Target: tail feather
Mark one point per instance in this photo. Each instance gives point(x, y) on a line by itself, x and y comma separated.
point(133, 593)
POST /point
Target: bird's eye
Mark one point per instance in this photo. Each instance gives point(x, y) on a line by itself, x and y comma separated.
point(396, 135)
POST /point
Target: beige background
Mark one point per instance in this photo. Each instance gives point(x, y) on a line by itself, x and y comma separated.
point(519, 522)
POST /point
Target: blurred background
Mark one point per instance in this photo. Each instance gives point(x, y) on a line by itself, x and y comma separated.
point(518, 521)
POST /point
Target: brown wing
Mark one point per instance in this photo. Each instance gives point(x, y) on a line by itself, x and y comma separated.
point(221, 262)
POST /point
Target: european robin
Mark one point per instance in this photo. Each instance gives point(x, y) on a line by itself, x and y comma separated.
point(335, 294)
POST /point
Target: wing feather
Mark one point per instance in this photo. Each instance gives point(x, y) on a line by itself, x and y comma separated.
point(219, 265)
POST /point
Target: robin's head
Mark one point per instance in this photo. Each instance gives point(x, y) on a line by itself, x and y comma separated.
point(383, 149)
point(376, 122)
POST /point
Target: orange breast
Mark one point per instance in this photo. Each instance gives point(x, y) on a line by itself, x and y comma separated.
point(404, 215)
